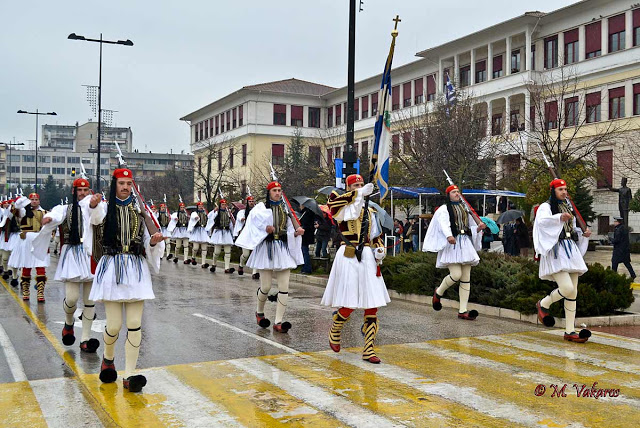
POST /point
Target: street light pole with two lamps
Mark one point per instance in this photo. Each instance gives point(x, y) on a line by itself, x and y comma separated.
point(37, 113)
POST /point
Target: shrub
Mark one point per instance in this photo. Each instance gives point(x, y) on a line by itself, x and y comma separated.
point(509, 282)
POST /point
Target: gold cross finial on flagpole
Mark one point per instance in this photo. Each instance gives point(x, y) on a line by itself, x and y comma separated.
point(397, 19)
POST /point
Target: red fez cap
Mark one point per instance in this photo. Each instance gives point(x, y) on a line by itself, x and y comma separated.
point(34, 195)
point(123, 173)
point(452, 188)
point(181, 204)
point(80, 182)
point(163, 205)
point(558, 182)
point(199, 203)
point(223, 201)
point(153, 207)
point(250, 198)
point(273, 185)
point(354, 178)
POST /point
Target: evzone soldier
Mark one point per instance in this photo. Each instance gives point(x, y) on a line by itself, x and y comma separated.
point(561, 246)
point(454, 235)
point(277, 248)
point(125, 250)
point(178, 230)
point(355, 281)
point(241, 219)
point(198, 235)
point(221, 221)
point(9, 240)
point(164, 217)
point(30, 214)
point(74, 264)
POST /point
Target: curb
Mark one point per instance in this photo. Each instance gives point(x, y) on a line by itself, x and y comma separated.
point(604, 321)
point(635, 285)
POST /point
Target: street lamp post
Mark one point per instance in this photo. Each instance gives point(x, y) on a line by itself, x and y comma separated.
point(9, 145)
point(74, 36)
point(37, 113)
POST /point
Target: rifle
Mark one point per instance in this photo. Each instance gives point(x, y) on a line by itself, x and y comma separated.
point(228, 208)
point(149, 219)
point(83, 172)
point(466, 204)
point(287, 206)
point(579, 220)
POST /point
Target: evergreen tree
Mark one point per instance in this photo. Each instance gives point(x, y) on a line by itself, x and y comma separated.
point(584, 201)
point(49, 194)
point(297, 174)
point(634, 205)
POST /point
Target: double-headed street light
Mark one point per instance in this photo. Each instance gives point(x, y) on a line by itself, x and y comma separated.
point(74, 36)
point(9, 145)
point(37, 113)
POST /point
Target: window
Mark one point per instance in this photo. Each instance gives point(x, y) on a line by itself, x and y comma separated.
point(365, 106)
point(374, 104)
point(551, 115)
point(481, 71)
point(636, 27)
point(593, 39)
point(314, 155)
point(240, 115)
point(73, 159)
point(58, 159)
point(616, 33)
point(593, 107)
point(201, 124)
point(338, 114)
point(296, 116)
point(44, 159)
point(616, 103)
point(195, 132)
point(418, 90)
point(44, 170)
point(395, 97)
point(234, 119)
point(211, 127)
point(533, 56)
point(330, 117)
point(515, 61)
point(206, 129)
point(244, 155)
point(514, 121)
point(222, 121)
point(217, 119)
point(365, 149)
point(431, 87)
point(395, 143)
point(551, 52)
point(465, 76)
point(59, 171)
point(406, 94)
point(337, 152)
point(28, 158)
point(571, 46)
point(199, 165)
point(329, 157)
point(605, 164)
point(279, 114)
point(496, 124)
point(636, 99)
point(231, 157)
point(497, 66)
point(277, 154)
point(219, 160)
point(314, 117)
point(356, 109)
point(15, 169)
point(571, 111)
point(356, 147)
point(29, 169)
point(228, 120)
point(406, 141)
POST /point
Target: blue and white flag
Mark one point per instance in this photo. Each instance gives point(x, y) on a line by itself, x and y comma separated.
point(382, 130)
point(450, 94)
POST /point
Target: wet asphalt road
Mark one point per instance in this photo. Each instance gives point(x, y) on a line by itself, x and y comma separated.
point(172, 334)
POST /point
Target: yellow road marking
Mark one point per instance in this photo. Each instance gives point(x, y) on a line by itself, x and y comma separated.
point(19, 406)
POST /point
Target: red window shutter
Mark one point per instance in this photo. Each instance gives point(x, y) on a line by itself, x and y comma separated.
point(365, 148)
point(571, 36)
point(481, 65)
point(636, 88)
point(605, 163)
point(532, 117)
point(593, 99)
point(228, 119)
point(365, 103)
point(636, 18)
point(280, 108)
point(418, 87)
point(240, 110)
point(616, 24)
point(374, 98)
point(330, 156)
point(571, 100)
point(395, 95)
point(395, 143)
point(593, 37)
point(497, 63)
point(431, 84)
point(296, 112)
point(277, 150)
point(551, 111)
point(234, 114)
point(406, 90)
point(339, 110)
point(356, 104)
point(616, 92)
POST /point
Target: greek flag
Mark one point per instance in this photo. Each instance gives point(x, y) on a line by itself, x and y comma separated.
point(382, 130)
point(450, 93)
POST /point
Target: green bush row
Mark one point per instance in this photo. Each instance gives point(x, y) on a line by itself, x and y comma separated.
point(511, 283)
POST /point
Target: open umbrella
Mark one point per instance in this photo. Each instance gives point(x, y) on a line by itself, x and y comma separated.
point(493, 227)
point(383, 217)
point(326, 190)
point(509, 216)
point(306, 202)
point(239, 205)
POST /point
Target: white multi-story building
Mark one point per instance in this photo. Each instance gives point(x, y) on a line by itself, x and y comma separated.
point(597, 39)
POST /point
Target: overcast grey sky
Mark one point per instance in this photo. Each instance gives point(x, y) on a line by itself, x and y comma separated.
point(189, 53)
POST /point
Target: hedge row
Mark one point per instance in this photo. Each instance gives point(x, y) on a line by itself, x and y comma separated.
point(511, 283)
